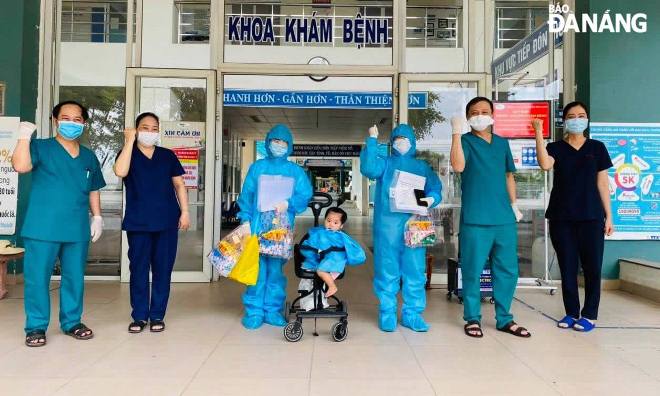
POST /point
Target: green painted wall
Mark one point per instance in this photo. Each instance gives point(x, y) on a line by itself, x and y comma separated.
point(19, 65)
point(620, 71)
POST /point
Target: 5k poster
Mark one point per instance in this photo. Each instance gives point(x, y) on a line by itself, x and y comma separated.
point(634, 180)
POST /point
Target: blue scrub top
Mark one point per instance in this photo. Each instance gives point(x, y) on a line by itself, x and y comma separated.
point(151, 203)
point(574, 195)
point(485, 200)
point(58, 207)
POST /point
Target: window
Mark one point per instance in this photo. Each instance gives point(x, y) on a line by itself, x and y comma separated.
point(514, 23)
point(434, 27)
point(193, 20)
point(94, 21)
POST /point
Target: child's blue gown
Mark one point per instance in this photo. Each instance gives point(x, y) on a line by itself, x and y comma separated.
point(321, 239)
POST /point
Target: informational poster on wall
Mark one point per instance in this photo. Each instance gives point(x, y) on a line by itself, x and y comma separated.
point(8, 177)
point(514, 119)
point(189, 159)
point(179, 134)
point(524, 153)
point(634, 180)
point(186, 139)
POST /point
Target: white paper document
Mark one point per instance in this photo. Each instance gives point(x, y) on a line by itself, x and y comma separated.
point(272, 190)
point(402, 192)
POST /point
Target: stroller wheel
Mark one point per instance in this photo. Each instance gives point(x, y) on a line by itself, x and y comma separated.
point(340, 331)
point(293, 331)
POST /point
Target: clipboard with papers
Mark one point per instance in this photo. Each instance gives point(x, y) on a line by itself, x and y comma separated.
point(273, 189)
point(404, 193)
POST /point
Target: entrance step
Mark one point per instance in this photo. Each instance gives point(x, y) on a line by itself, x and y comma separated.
point(640, 277)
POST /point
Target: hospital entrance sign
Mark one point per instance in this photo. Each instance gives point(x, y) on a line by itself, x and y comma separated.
point(358, 31)
point(319, 99)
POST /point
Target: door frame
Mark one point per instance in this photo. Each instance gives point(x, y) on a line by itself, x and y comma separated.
point(132, 98)
point(483, 89)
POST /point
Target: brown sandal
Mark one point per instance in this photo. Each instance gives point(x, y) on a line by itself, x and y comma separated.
point(36, 338)
point(473, 331)
point(78, 332)
point(517, 332)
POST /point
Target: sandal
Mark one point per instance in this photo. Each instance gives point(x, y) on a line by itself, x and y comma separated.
point(584, 325)
point(137, 326)
point(36, 338)
point(156, 326)
point(519, 332)
point(80, 332)
point(473, 331)
point(567, 322)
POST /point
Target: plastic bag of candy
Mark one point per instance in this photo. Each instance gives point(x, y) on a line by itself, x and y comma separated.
point(420, 232)
point(276, 239)
point(227, 251)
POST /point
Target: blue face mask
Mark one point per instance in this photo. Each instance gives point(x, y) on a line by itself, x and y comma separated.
point(70, 130)
point(278, 149)
point(577, 126)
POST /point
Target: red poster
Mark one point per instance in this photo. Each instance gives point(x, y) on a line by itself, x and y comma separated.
point(189, 159)
point(514, 119)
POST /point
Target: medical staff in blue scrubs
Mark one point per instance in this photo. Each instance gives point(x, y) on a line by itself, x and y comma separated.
point(489, 214)
point(264, 302)
point(156, 208)
point(579, 212)
point(394, 263)
point(66, 178)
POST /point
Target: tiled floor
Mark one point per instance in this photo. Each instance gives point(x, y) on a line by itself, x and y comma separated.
point(205, 351)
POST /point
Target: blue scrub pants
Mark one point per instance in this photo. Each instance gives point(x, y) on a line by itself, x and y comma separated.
point(268, 295)
point(39, 263)
point(155, 251)
point(397, 265)
point(480, 244)
point(579, 243)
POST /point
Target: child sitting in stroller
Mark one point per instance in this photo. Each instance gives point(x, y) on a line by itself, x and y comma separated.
point(340, 249)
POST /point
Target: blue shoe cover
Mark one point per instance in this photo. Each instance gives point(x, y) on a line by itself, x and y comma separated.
point(275, 319)
point(414, 322)
point(252, 322)
point(387, 321)
point(584, 325)
point(567, 322)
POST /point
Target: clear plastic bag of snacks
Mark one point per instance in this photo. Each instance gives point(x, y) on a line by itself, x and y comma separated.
point(420, 232)
point(227, 251)
point(276, 239)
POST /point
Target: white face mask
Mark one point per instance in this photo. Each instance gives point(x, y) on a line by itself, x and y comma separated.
point(148, 138)
point(481, 122)
point(402, 146)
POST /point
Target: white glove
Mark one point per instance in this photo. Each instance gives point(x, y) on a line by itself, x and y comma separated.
point(373, 131)
point(282, 207)
point(96, 228)
point(25, 130)
point(516, 212)
point(428, 200)
point(457, 125)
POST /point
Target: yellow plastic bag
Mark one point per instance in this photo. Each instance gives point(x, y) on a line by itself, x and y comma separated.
point(246, 269)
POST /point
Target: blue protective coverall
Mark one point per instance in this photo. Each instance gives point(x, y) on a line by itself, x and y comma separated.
point(264, 301)
point(322, 239)
point(394, 263)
